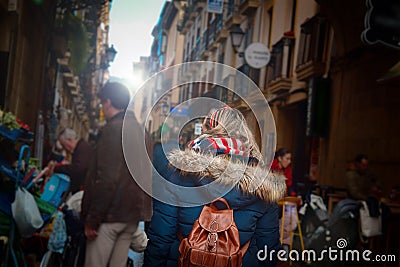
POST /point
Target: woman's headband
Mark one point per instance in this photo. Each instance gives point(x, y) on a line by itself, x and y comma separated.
point(216, 116)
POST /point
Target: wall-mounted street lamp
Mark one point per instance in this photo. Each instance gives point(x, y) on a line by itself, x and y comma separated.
point(108, 57)
point(111, 53)
point(237, 35)
point(165, 108)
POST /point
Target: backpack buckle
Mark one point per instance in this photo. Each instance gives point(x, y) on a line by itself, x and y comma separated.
point(212, 240)
point(212, 237)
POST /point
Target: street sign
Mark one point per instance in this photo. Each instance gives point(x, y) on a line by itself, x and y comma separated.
point(257, 55)
point(215, 6)
point(197, 128)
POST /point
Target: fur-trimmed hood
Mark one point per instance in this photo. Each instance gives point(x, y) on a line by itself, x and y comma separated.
point(254, 180)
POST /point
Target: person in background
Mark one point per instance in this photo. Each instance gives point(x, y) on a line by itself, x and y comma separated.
point(113, 203)
point(81, 152)
point(253, 197)
point(169, 141)
point(282, 164)
point(362, 186)
point(360, 183)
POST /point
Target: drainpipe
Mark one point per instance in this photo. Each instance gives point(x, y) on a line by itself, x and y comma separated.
point(329, 54)
point(39, 136)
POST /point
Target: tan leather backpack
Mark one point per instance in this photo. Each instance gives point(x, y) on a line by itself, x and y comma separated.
point(214, 240)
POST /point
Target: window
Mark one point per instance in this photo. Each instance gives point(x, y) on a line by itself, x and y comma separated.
point(268, 34)
point(231, 8)
point(212, 30)
point(269, 26)
point(219, 23)
point(281, 58)
point(254, 75)
point(219, 69)
point(225, 91)
point(198, 32)
point(313, 38)
point(249, 35)
point(204, 42)
point(197, 48)
point(198, 27)
point(291, 15)
point(164, 43)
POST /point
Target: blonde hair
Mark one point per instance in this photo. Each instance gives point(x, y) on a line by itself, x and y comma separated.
point(231, 123)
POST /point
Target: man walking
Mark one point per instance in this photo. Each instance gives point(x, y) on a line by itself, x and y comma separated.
point(113, 203)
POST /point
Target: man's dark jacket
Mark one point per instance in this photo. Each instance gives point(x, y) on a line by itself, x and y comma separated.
point(77, 170)
point(111, 194)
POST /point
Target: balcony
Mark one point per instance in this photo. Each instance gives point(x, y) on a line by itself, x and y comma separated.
point(203, 46)
point(204, 56)
point(312, 53)
point(211, 44)
point(195, 52)
point(199, 5)
point(204, 52)
point(186, 20)
point(279, 70)
point(192, 54)
point(232, 15)
point(191, 12)
point(197, 49)
point(248, 7)
point(212, 36)
point(182, 25)
point(193, 15)
point(221, 32)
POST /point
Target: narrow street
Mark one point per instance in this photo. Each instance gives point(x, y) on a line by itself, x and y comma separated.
point(304, 90)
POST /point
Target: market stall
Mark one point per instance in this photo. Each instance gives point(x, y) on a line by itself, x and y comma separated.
point(24, 208)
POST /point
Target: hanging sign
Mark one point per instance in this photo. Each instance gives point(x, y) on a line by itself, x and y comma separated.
point(215, 6)
point(382, 23)
point(257, 55)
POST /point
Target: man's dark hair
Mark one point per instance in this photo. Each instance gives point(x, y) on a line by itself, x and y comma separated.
point(360, 158)
point(117, 93)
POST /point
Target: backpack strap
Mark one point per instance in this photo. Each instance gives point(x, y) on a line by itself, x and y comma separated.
point(244, 248)
point(223, 200)
point(180, 236)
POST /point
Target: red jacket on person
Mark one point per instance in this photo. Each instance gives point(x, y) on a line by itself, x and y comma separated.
point(287, 172)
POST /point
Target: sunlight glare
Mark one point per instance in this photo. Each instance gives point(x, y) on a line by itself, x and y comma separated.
point(133, 80)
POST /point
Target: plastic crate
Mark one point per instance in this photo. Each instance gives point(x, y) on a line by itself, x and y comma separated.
point(55, 189)
point(10, 134)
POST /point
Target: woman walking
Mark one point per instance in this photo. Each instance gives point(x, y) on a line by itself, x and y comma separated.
point(227, 156)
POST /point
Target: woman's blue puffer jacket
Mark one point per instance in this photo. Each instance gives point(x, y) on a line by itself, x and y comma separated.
point(255, 211)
